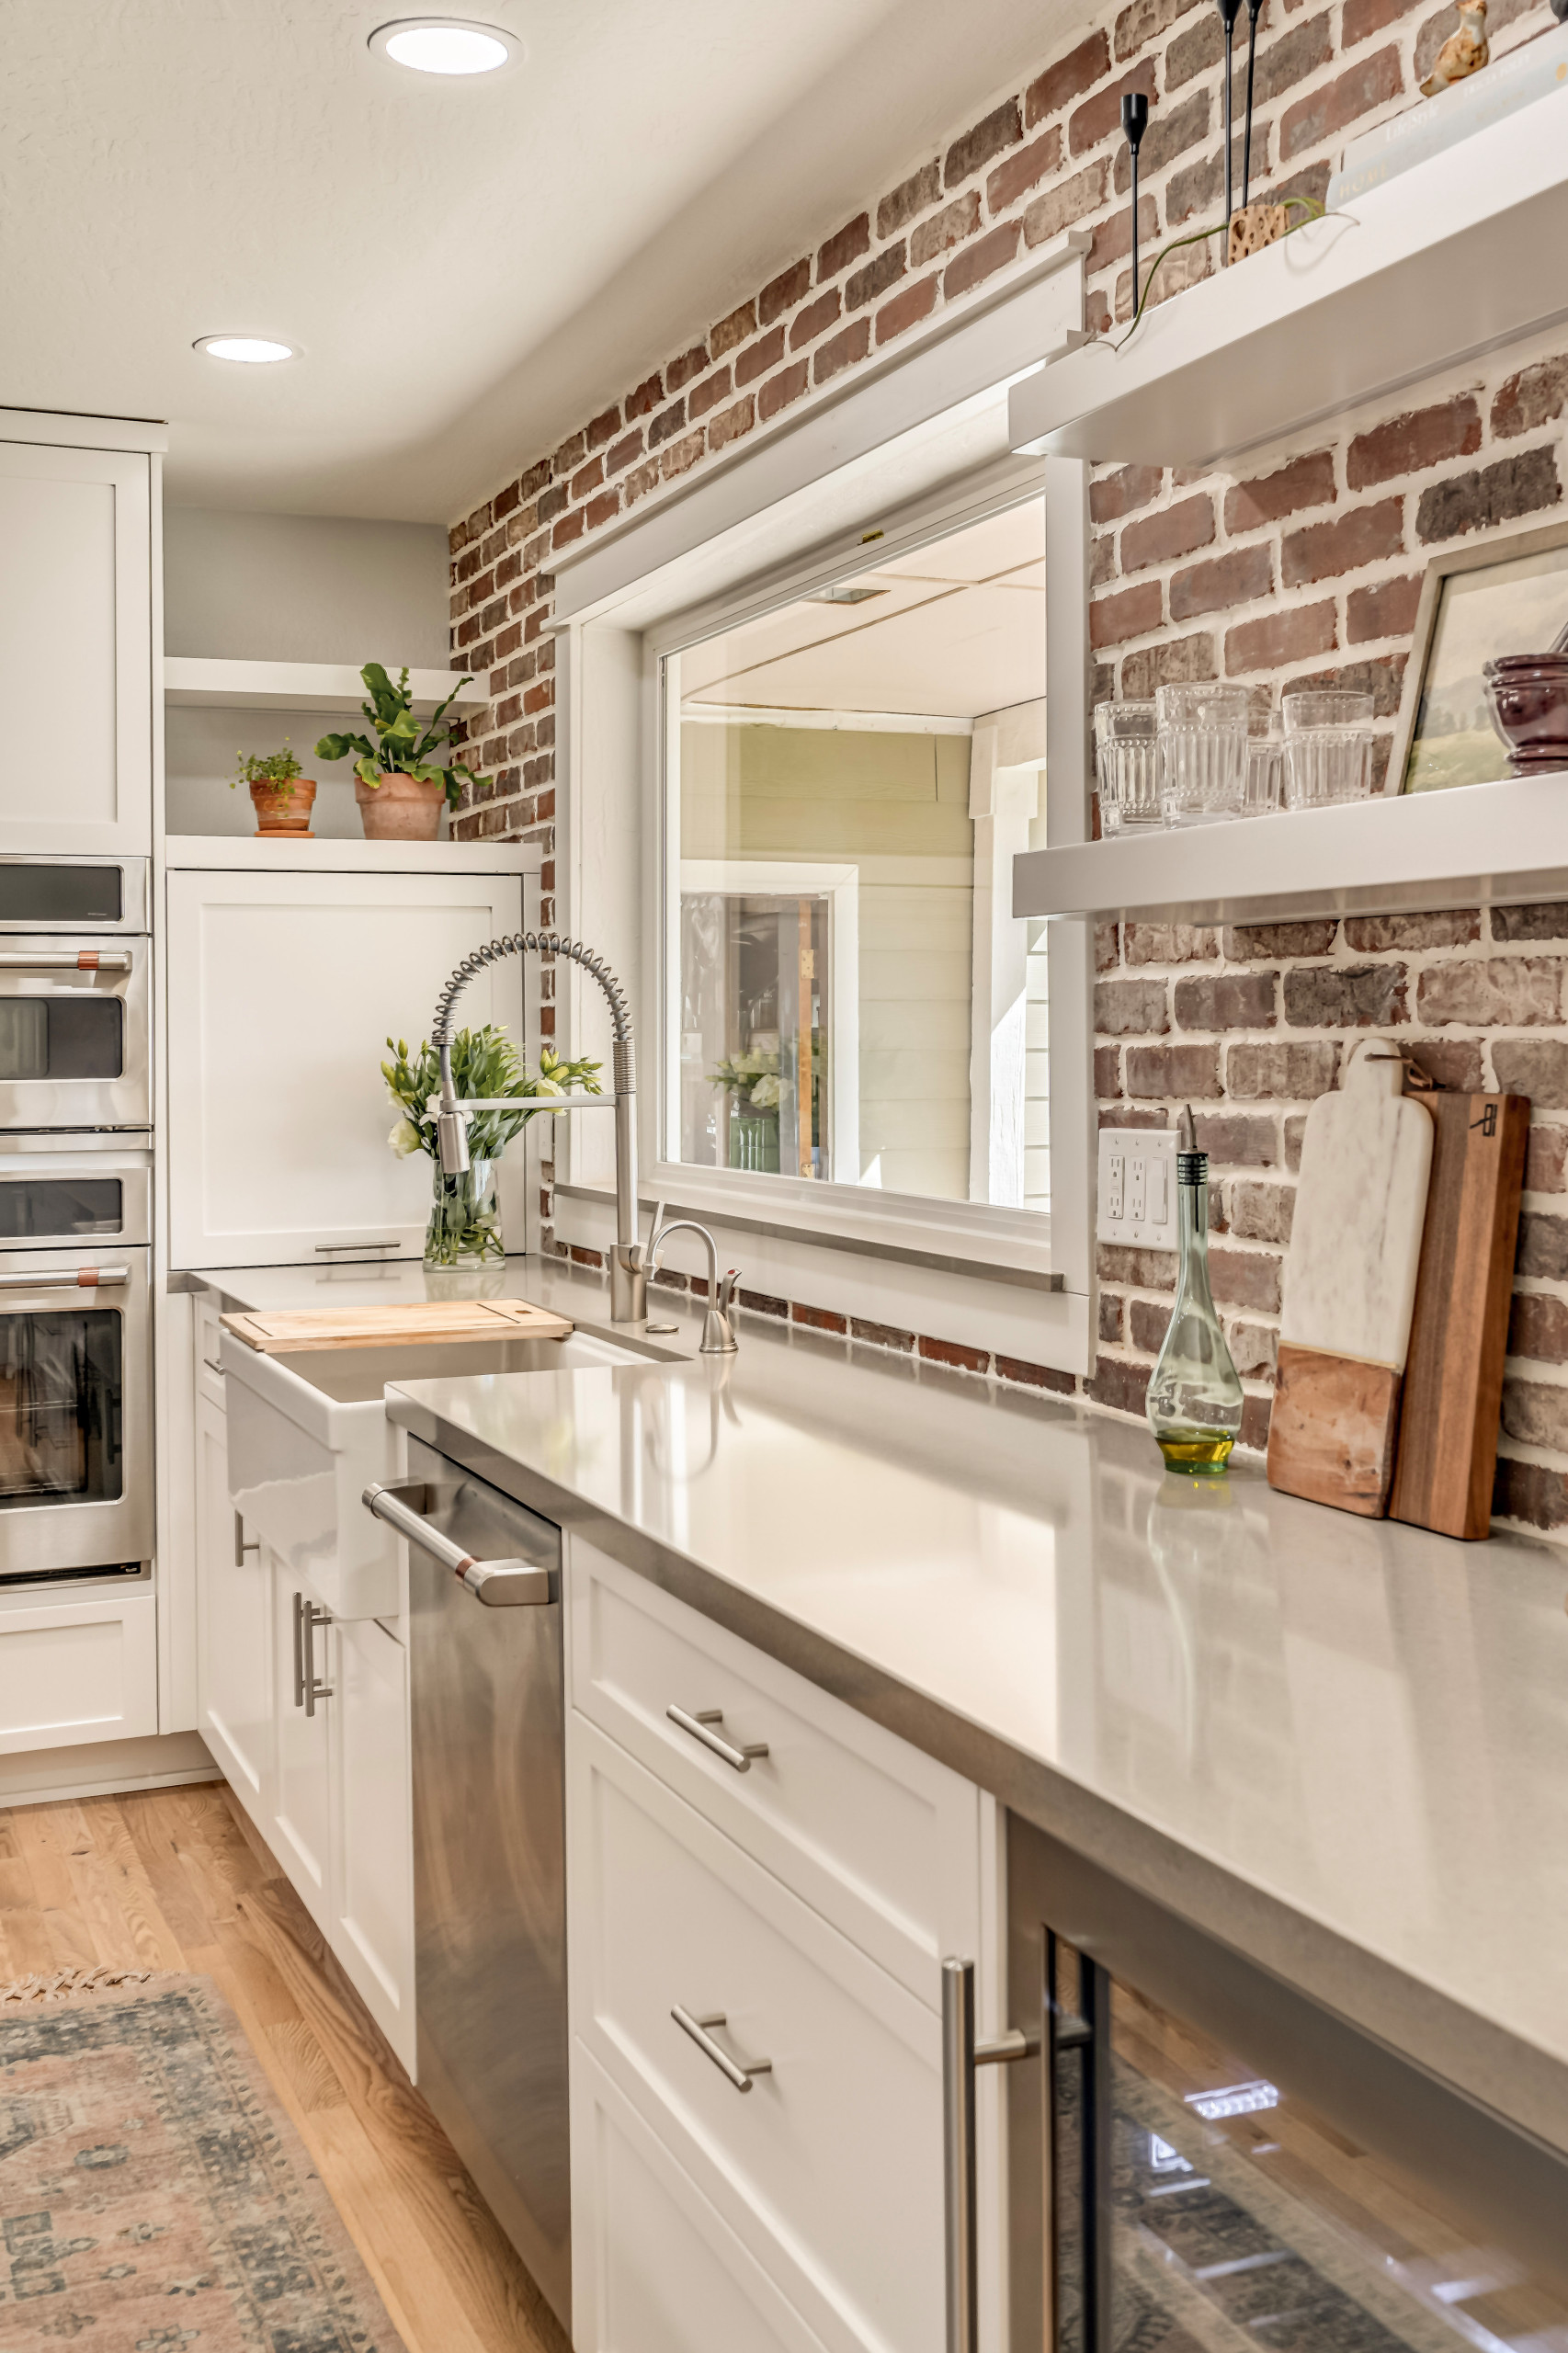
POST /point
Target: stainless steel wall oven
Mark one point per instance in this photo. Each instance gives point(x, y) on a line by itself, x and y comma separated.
point(74, 994)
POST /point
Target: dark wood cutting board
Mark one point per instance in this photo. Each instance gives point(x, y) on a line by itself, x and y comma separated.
point(1459, 1338)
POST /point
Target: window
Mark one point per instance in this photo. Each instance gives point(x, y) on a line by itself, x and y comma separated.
point(850, 775)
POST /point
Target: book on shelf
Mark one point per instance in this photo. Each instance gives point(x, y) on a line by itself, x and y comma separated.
point(1532, 71)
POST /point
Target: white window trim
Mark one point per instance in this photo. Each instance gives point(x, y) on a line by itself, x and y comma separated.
point(1012, 1280)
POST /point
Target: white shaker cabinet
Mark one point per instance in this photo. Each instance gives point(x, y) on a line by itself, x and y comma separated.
point(372, 1831)
point(234, 1624)
point(76, 650)
point(283, 989)
point(299, 1829)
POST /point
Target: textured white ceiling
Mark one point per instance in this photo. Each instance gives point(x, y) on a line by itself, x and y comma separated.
point(468, 266)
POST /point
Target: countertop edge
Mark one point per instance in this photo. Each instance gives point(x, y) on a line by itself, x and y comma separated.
point(1518, 2080)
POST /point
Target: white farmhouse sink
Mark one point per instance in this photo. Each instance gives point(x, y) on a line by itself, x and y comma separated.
point(308, 1432)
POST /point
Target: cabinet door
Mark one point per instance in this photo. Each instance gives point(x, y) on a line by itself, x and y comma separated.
point(653, 2268)
point(283, 990)
point(372, 1899)
point(233, 1605)
point(76, 648)
point(301, 1829)
point(74, 1671)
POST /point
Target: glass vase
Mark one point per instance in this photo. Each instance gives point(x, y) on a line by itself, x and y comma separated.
point(753, 1139)
point(465, 1218)
point(1194, 1395)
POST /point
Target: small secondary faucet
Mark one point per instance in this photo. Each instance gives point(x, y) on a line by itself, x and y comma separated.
point(717, 1332)
point(627, 1273)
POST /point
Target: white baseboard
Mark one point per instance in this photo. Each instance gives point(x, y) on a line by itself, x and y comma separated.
point(104, 1769)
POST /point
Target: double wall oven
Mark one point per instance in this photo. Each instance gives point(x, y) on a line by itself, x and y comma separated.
point(75, 1219)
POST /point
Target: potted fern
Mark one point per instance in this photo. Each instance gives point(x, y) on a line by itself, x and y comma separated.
point(403, 779)
point(280, 791)
point(465, 1217)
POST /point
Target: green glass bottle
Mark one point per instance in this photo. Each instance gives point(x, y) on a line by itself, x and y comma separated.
point(1194, 1393)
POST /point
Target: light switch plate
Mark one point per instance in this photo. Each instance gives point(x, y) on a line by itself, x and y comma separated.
point(1136, 1200)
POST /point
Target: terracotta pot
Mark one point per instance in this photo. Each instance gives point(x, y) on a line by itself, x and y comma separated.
point(283, 811)
point(1528, 698)
point(400, 809)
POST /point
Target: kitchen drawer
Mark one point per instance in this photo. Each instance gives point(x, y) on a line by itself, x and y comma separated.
point(653, 2268)
point(882, 1840)
point(80, 1670)
point(209, 1332)
point(829, 2168)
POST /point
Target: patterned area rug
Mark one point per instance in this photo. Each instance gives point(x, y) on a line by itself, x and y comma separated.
point(154, 2196)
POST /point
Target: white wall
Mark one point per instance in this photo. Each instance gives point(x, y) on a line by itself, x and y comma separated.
point(304, 588)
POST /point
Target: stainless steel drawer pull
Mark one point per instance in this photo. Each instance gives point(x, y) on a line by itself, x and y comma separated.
point(244, 1545)
point(962, 2054)
point(326, 1249)
point(67, 960)
point(738, 2072)
point(80, 1278)
point(308, 1686)
point(699, 1726)
point(500, 1584)
point(213, 1366)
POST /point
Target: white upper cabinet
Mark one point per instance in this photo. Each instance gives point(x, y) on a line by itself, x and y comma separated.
point(76, 652)
point(283, 989)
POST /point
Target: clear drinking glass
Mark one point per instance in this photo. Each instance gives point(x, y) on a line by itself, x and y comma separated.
point(1126, 764)
point(1265, 773)
point(1328, 748)
point(1203, 753)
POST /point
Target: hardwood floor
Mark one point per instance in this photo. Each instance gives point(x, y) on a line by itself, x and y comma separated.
point(177, 1879)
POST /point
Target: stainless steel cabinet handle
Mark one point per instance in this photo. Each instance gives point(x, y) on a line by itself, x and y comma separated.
point(308, 1686)
point(241, 1547)
point(79, 1279)
point(961, 2056)
point(212, 1366)
point(738, 2072)
point(326, 1249)
point(65, 960)
point(697, 1726)
point(500, 1584)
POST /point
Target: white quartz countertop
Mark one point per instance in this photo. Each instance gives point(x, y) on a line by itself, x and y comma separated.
point(1341, 1746)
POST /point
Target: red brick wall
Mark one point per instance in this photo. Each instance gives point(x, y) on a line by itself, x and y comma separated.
point(1303, 567)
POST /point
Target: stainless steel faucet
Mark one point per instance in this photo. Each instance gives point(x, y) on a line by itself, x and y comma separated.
point(628, 1276)
point(717, 1332)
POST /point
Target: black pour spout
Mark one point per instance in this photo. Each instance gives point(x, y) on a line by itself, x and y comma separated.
point(1229, 11)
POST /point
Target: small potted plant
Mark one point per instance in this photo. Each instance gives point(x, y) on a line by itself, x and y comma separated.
point(280, 793)
point(465, 1218)
point(401, 779)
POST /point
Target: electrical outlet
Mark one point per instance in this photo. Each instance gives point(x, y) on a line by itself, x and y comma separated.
point(1137, 1186)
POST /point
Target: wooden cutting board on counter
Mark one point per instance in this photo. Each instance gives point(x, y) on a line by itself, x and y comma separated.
point(1453, 1381)
point(1350, 1287)
point(389, 1327)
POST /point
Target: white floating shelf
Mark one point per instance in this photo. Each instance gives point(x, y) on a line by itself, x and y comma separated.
point(1447, 261)
point(298, 685)
point(249, 854)
point(1481, 845)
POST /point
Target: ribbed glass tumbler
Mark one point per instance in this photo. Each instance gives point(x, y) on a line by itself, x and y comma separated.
point(1328, 748)
point(1202, 736)
point(1126, 765)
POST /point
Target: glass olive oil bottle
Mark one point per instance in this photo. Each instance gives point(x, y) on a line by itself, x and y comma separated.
point(1194, 1395)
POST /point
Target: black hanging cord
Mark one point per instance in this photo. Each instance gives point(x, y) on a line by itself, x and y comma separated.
point(1229, 11)
point(1253, 9)
point(1134, 122)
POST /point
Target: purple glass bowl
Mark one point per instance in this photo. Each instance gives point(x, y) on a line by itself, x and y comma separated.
point(1528, 694)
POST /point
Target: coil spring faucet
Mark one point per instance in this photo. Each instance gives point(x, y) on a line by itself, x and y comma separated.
point(628, 1276)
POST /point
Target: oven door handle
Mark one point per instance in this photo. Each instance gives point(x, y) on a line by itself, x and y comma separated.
point(65, 960)
point(80, 1278)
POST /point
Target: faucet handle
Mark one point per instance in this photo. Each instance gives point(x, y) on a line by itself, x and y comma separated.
point(726, 1297)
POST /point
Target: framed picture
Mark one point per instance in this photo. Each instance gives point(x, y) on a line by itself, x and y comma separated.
point(1506, 597)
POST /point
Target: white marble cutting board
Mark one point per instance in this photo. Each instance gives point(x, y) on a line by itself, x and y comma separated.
point(1360, 1207)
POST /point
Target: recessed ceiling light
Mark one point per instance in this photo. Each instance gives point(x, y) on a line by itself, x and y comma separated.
point(444, 45)
point(250, 350)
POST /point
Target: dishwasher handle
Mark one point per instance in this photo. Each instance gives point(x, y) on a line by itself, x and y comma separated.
point(499, 1585)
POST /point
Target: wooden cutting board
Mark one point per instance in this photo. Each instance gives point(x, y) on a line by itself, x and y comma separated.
point(390, 1328)
point(1453, 1381)
point(1350, 1287)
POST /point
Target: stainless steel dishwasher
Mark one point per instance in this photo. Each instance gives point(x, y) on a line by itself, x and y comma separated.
point(487, 1723)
